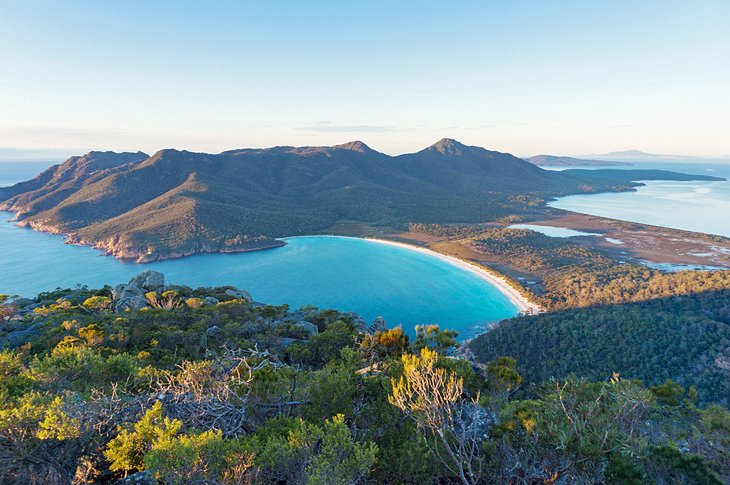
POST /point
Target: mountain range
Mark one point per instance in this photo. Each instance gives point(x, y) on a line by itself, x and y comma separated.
point(176, 203)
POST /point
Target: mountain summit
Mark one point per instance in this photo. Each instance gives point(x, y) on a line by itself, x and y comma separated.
point(356, 145)
point(449, 147)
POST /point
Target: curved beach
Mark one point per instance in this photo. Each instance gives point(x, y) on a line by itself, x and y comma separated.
point(518, 299)
point(505, 287)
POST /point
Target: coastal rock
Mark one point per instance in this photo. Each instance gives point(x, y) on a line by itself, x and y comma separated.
point(360, 324)
point(129, 291)
point(132, 295)
point(239, 294)
point(209, 300)
point(149, 280)
point(378, 325)
point(117, 291)
point(21, 303)
point(19, 337)
point(30, 308)
point(308, 327)
point(286, 341)
point(297, 315)
point(132, 303)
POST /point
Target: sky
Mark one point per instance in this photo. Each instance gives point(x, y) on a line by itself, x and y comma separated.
point(526, 77)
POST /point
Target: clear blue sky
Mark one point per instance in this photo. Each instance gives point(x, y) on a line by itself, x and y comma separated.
point(560, 77)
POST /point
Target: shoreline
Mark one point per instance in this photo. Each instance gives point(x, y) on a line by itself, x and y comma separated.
point(522, 304)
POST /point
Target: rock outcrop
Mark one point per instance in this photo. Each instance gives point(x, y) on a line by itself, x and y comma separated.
point(378, 325)
point(149, 280)
point(132, 303)
point(19, 337)
point(239, 294)
point(132, 295)
point(308, 327)
point(360, 324)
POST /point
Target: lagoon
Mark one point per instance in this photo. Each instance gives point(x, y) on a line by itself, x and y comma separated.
point(553, 231)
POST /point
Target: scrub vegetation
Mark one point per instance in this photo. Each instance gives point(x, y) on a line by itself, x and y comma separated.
point(206, 386)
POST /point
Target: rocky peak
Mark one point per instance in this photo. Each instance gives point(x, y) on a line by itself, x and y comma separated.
point(356, 145)
point(449, 147)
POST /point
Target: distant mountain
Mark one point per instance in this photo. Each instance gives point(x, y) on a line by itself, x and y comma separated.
point(635, 155)
point(175, 203)
point(561, 161)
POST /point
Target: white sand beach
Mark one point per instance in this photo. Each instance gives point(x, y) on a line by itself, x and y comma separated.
point(505, 287)
point(523, 304)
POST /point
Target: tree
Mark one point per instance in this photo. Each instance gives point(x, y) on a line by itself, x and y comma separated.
point(339, 458)
point(384, 344)
point(432, 396)
point(97, 303)
point(431, 336)
point(294, 451)
point(168, 300)
point(204, 457)
point(669, 393)
point(127, 450)
point(587, 423)
point(45, 439)
point(93, 335)
point(502, 376)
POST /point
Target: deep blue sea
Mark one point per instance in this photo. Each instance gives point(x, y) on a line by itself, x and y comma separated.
point(692, 206)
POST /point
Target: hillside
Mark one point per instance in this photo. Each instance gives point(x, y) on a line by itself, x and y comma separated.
point(684, 338)
point(149, 383)
point(561, 161)
point(175, 203)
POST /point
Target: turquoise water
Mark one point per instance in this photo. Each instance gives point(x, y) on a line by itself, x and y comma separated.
point(692, 206)
point(347, 274)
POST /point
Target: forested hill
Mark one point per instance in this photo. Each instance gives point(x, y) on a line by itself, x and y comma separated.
point(176, 203)
point(683, 338)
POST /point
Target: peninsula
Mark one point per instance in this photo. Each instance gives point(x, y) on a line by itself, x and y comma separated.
point(177, 203)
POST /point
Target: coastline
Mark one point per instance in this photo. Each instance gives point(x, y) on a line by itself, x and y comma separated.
point(500, 283)
point(522, 304)
point(518, 299)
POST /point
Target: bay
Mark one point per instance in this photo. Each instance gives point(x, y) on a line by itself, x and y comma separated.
point(699, 206)
point(349, 274)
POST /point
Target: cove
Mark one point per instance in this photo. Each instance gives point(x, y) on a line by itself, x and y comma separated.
point(372, 279)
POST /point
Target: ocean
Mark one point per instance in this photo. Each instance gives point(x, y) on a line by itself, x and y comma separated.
point(692, 206)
